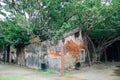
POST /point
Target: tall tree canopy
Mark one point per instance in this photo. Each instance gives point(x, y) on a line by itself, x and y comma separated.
point(13, 32)
point(106, 33)
point(50, 19)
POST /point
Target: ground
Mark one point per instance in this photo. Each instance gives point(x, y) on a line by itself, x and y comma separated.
point(108, 71)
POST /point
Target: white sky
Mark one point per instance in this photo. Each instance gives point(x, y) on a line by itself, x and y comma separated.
point(2, 3)
point(8, 13)
point(3, 10)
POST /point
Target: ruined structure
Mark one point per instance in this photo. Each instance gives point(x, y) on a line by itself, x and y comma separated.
point(74, 50)
point(48, 54)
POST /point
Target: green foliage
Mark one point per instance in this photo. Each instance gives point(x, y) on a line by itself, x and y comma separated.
point(12, 32)
point(107, 28)
point(47, 21)
point(21, 21)
point(50, 19)
point(3, 40)
point(106, 32)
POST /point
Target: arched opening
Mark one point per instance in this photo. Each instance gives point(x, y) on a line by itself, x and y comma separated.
point(113, 52)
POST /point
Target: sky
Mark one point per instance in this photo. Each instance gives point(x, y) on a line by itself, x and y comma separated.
point(7, 13)
point(3, 10)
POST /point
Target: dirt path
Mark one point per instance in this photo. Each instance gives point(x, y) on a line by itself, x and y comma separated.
point(110, 71)
point(17, 71)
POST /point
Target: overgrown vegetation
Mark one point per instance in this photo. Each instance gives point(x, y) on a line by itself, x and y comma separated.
point(49, 19)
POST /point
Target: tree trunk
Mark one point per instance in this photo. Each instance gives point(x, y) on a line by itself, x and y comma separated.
point(93, 53)
point(105, 54)
point(86, 41)
point(100, 52)
point(4, 54)
point(20, 56)
point(8, 53)
point(89, 59)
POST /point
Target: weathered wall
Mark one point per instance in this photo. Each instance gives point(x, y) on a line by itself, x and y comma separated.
point(72, 47)
point(54, 63)
point(49, 52)
point(36, 54)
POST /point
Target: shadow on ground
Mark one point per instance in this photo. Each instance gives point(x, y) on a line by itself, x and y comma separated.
point(117, 71)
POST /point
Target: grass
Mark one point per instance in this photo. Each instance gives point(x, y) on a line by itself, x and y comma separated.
point(13, 78)
point(47, 72)
point(66, 73)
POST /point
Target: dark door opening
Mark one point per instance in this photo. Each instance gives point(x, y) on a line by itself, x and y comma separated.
point(113, 52)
